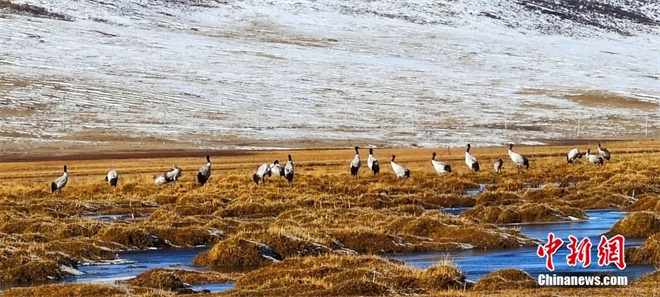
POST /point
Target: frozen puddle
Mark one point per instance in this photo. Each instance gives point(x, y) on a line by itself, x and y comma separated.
point(477, 263)
point(136, 262)
point(454, 210)
point(115, 217)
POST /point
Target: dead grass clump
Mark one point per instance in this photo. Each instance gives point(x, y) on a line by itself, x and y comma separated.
point(185, 236)
point(87, 228)
point(236, 251)
point(448, 200)
point(130, 237)
point(639, 224)
point(260, 248)
point(546, 194)
point(505, 279)
point(164, 199)
point(487, 198)
point(359, 287)
point(649, 253)
point(369, 241)
point(443, 276)
point(646, 202)
point(69, 290)
point(204, 277)
point(81, 250)
point(159, 278)
point(648, 280)
point(254, 209)
point(456, 185)
point(523, 213)
point(32, 262)
point(330, 276)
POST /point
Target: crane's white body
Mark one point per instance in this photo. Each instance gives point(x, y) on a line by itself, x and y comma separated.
point(112, 177)
point(440, 167)
point(573, 155)
point(470, 160)
point(594, 159)
point(399, 170)
point(372, 162)
point(288, 170)
point(498, 165)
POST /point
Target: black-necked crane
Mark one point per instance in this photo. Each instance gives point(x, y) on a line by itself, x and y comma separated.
point(356, 163)
point(60, 182)
point(169, 176)
point(594, 159)
point(603, 152)
point(573, 155)
point(288, 170)
point(399, 170)
point(261, 173)
point(276, 169)
point(204, 172)
point(518, 159)
point(112, 177)
point(470, 160)
point(498, 165)
point(440, 167)
point(372, 162)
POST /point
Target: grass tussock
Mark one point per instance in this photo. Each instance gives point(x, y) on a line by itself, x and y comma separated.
point(638, 224)
point(347, 276)
point(258, 249)
point(69, 290)
point(523, 213)
point(647, 202)
point(178, 280)
point(505, 279)
point(648, 253)
point(648, 280)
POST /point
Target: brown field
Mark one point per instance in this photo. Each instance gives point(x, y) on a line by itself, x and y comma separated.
point(326, 230)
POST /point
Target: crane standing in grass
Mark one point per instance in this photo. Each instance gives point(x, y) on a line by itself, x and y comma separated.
point(594, 159)
point(112, 178)
point(372, 162)
point(470, 160)
point(573, 155)
point(356, 163)
point(440, 167)
point(399, 170)
point(60, 182)
point(277, 169)
point(498, 165)
point(288, 170)
point(261, 173)
point(169, 176)
point(204, 172)
point(603, 152)
point(518, 159)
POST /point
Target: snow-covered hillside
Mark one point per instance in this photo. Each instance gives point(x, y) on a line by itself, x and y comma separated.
point(291, 73)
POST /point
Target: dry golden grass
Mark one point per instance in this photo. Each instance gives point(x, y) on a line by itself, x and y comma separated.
point(638, 224)
point(505, 279)
point(178, 280)
point(323, 213)
point(523, 213)
point(69, 290)
point(649, 253)
point(347, 276)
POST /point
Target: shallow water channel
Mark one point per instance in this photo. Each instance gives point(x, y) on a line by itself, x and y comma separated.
point(477, 263)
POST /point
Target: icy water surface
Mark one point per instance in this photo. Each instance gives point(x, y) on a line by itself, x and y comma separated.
point(477, 263)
